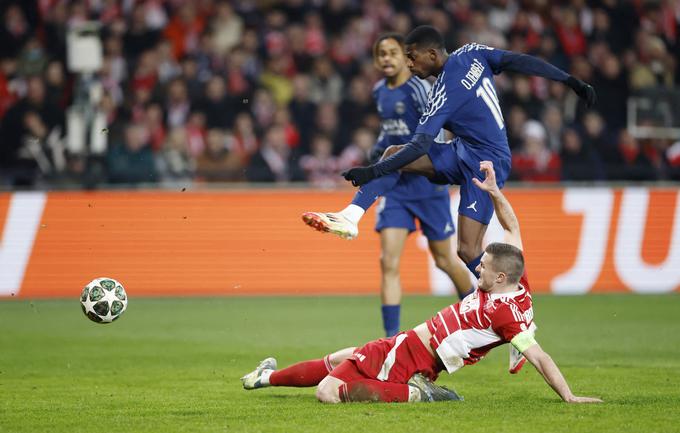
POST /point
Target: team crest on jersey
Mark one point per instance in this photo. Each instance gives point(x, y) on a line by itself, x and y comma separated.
point(400, 107)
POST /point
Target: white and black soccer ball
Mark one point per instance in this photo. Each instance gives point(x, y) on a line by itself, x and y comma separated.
point(103, 300)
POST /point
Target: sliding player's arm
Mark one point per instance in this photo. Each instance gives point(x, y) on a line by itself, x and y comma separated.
point(506, 216)
point(551, 373)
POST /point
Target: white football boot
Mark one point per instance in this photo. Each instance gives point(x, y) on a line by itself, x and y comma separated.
point(331, 222)
point(253, 380)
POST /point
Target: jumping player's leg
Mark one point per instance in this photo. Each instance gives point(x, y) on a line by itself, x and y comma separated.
point(445, 260)
point(345, 222)
point(392, 242)
point(434, 214)
point(470, 236)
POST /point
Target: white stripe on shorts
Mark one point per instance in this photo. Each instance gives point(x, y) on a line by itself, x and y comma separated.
point(390, 359)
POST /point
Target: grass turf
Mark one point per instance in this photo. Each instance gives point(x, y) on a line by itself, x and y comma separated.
point(174, 365)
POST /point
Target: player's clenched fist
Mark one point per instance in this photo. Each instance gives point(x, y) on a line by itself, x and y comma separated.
point(359, 175)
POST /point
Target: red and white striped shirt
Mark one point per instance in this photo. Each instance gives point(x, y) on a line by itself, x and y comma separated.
point(463, 333)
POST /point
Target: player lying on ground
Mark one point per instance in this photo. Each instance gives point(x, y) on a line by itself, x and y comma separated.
point(403, 368)
point(463, 101)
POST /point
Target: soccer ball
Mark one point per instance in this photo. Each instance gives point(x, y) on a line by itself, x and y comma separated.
point(103, 300)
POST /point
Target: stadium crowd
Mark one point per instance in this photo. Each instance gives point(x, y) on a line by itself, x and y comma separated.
point(279, 91)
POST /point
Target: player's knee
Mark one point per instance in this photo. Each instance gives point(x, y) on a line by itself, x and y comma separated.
point(389, 263)
point(327, 392)
point(341, 355)
point(442, 261)
point(468, 252)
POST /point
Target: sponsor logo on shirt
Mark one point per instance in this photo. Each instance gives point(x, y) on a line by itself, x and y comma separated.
point(395, 127)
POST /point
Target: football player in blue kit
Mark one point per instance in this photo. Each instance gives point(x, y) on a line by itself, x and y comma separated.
point(401, 99)
point(462, 100)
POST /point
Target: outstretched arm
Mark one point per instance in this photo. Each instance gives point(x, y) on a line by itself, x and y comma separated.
point(417, 147)
point(506, 216)
point(530, 65)
point(553, 376)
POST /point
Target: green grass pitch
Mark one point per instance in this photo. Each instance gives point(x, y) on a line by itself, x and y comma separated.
point(173, 365)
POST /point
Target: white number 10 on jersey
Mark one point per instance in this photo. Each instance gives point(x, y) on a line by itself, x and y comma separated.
point(488, 94)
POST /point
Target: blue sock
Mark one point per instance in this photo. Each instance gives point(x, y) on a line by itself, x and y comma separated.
point(369, 193)
point(472, 265)
point(390, 315)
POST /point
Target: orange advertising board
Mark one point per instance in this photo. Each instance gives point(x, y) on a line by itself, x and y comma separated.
point(252, 242)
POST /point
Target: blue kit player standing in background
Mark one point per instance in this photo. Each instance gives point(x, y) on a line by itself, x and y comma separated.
point(401, 99)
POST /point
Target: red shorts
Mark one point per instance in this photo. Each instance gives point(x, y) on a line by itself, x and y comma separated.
point(393, 359)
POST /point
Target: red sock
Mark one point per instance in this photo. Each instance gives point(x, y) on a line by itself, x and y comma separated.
point(373, 390)
point(306, 373)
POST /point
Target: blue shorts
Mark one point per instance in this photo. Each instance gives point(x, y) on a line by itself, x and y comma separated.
point(451, 169)
point(434, 214)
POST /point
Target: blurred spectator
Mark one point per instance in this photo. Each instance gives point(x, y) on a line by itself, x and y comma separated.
point(173, 161)
point(579, 161)
point(189, 73)
point(57, 89)
point(139, 37)
point(554, 126)
point(219, 109)
point(25, 129)
point(672, 156)
point(226, 27)
point(357, 105)
point(8, 88)
point(569, 32)
point(357, 153)
point(274, 162)
point(245, 142)
point(15, 31)
point(516, 118)
point(32, 58)
point(184, 29)
point(168, 67)
point(328, 124)
point(282, 119)
point(612, 91)
point(326, 84)
point(523, 97)
point(155, 125)
point(655, 67)
point(631, 162)
point(321, 167)
point(217, 164)
point(274, 78)
point(131, 160)
point(177, 103)
point(535, 161)
point(302, 109)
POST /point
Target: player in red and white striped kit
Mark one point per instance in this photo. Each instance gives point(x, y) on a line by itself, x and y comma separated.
point(403, 368)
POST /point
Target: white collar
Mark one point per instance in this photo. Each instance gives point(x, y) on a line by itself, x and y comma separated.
point(494, 296)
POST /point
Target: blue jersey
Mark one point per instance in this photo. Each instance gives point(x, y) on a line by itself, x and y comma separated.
point(400, 108)
point(464, 101)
